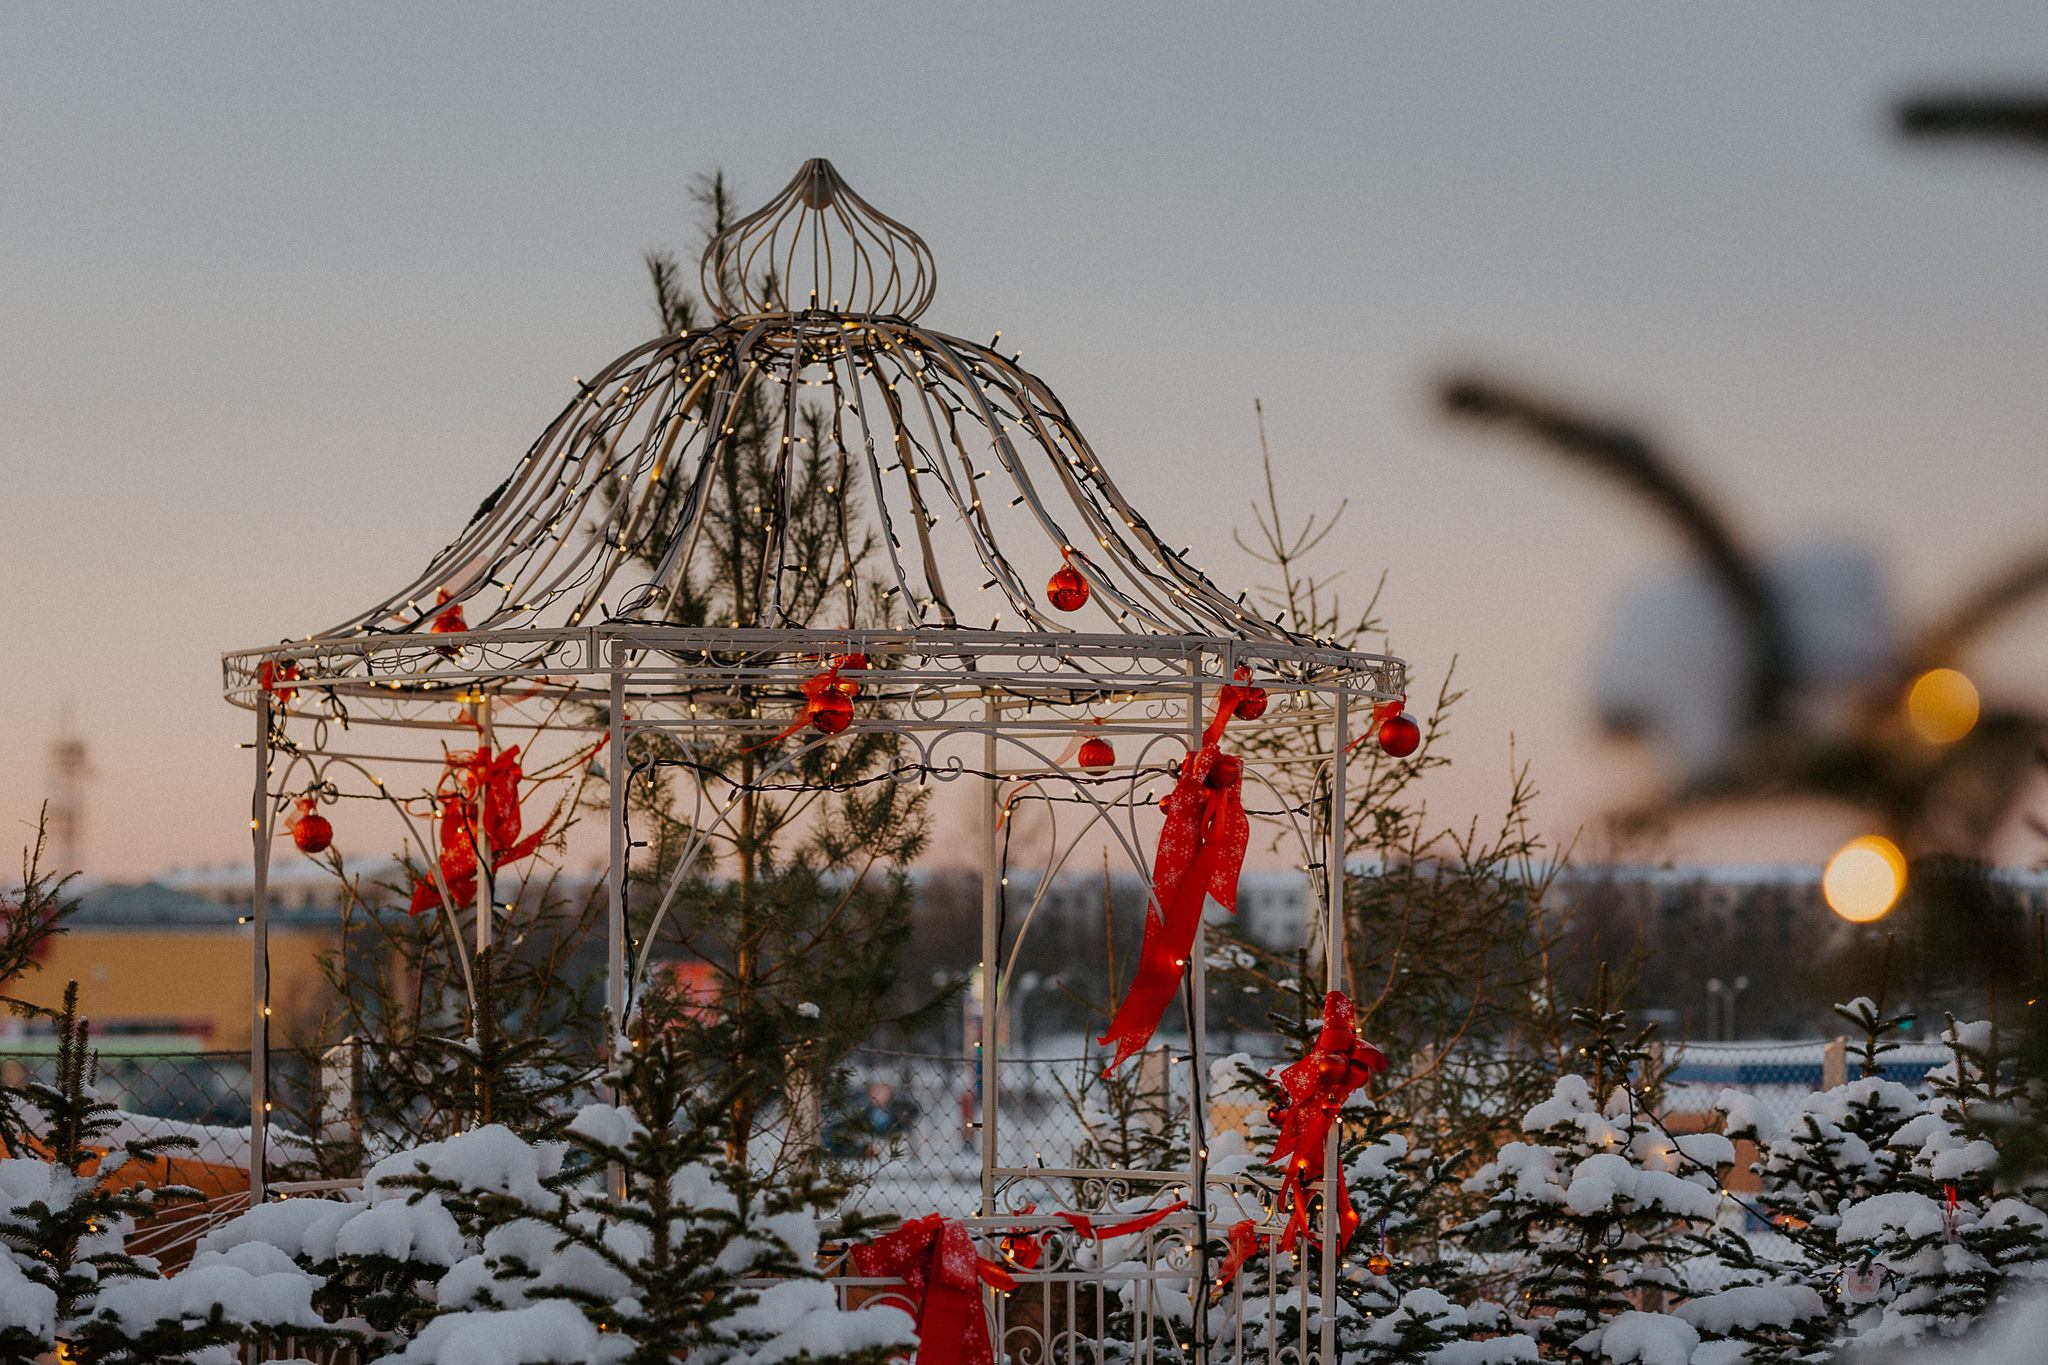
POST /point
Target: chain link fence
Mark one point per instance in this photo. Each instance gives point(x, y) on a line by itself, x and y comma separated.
point(201, 1096)
point(1781, 1075)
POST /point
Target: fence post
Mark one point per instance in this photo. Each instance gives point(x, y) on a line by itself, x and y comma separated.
point(341, 1082)
point(1834, 1064)
point(259, 953)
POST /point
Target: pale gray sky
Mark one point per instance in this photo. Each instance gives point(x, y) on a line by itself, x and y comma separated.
point(285, 289)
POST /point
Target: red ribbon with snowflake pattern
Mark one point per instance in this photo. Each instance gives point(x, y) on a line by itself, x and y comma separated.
point(1201, 853)
point(935, 1257)
point(1317, 1086)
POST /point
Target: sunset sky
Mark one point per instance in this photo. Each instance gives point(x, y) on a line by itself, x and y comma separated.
point(285, 290)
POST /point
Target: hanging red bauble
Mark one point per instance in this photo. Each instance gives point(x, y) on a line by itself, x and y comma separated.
point(1096, 754)
point(1224, 773)
point(830, 713)
point(1252, 704)
point(1379, 1263)
point(1399, 734)
point(1067, 590)
point(1275, 1113)
point(312, 833)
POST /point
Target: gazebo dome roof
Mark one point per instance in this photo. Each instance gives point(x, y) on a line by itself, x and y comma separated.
point(973, 482)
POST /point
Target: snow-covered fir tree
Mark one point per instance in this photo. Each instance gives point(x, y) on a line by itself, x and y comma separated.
point(1946, 1243)
point(67, 1206)
point(631, 1239)
point(1834, 1152)
point(1596, 1203)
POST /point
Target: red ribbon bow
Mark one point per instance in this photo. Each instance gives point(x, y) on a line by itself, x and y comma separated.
point(272, 679)
point(488, 783)
point(1317, 1087)
point(1201, 853)
point(935, 1257)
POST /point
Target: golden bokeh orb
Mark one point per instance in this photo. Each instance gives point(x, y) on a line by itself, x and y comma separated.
point(1864, 879)
point(1941, 706)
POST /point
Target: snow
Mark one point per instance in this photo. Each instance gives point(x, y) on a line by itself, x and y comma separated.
point(296, 1227)
point(1708, 1149)
point(606, 1124)
point(1600, 1180)
point(1492, 1351)
point(1888, 1096)
point(2013, 1336)
point(805, 1319)
point(1952, 1163)
point(492, 1158)
point(1721, 1353)
point(1649, 1339)
point(1914, 1215)
point(807, 1010)
point(1752, 1306)
point(548, 1331)
point(1747, 1113)
point(1975, 1035)
point(1227, 1083)
point(280, 1299)
point(24, 1303)
point(421, 1231)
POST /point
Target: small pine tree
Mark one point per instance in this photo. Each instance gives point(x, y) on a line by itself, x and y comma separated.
point(666, 1263)
point(64, 1213)
point(30, 919)
point(1598, 1201)
point(1949, 1245)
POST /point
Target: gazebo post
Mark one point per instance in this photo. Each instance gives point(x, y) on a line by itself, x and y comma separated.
point(991, 951)
point(486, 890)
point(259, 939)
point(615, 874)
point(1333, 946)
point(1196, 985)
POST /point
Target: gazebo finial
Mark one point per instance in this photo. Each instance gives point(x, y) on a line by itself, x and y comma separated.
point(818, 245)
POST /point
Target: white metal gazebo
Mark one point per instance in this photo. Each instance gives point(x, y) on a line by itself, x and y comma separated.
point(557, 618)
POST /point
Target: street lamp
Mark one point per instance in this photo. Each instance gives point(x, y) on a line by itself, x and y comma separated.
point(1721, 1006)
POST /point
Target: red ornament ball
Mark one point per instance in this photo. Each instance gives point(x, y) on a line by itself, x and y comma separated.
point(1226, 772)
point(312, 834)
point(1276, 1114)
point(1399, 735)
point(830, 713)
point(1096, 755)
point(1333, 1070)
point(1067, 590)
point(1252, 705)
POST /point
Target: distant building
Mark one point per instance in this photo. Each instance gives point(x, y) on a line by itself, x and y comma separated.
point(161, 969)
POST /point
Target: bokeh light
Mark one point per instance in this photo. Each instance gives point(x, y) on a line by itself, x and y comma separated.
point(1941, 706)
point(1864, 879)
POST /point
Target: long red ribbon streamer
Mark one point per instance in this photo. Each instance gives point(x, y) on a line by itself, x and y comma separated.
point(1201, 853)
point(935, 1257)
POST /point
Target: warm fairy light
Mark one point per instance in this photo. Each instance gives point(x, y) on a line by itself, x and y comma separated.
point(1941, 706)
point(1864, 880)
